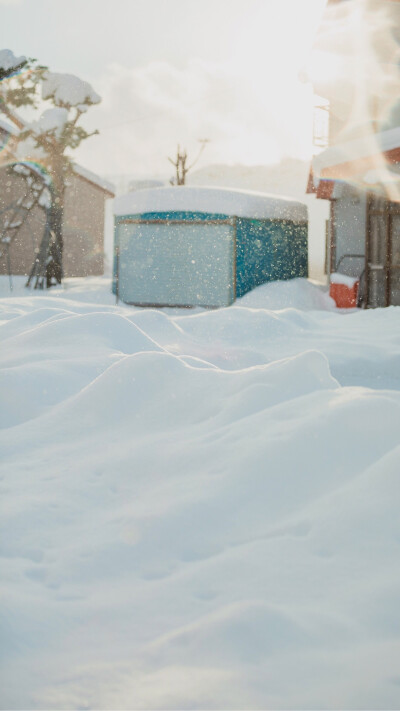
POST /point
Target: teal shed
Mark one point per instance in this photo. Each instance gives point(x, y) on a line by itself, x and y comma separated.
point(192, 246)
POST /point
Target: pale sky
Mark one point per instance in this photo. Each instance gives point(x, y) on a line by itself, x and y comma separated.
point(176, 71)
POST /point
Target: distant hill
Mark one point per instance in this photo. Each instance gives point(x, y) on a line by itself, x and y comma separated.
point(286, 178)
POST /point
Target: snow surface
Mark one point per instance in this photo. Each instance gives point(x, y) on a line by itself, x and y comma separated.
point(199, 508)
point(67, 89)
point(241, 203)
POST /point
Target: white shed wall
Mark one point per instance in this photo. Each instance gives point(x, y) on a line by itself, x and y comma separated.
point(177, 265)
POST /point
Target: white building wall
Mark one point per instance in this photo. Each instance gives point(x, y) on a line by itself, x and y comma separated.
point(350, 214)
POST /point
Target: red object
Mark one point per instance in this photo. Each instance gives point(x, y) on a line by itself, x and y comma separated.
point(344, 296)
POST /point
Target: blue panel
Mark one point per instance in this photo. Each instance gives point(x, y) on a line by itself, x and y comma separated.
point(266, 250)
point(269, 250)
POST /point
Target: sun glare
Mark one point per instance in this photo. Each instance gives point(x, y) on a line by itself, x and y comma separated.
point(270, 52)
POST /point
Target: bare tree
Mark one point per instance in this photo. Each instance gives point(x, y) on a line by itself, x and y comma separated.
point(180, 163)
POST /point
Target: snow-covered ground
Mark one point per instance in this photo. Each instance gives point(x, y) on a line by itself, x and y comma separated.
point(199, 508)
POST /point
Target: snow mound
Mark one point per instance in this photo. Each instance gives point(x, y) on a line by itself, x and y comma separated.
point(16, 324)
point(295, 293)
point(149, 390)
point(239, 633)
point(92, 331)
point(199, 509)
point(29, 386)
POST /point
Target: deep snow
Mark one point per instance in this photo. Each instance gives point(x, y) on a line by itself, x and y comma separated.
point(199, 508)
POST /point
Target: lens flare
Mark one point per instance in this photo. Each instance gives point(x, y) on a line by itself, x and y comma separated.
point(360, 41)
point(34, 166)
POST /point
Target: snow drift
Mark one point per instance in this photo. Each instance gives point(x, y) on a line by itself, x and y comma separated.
point(199, 508)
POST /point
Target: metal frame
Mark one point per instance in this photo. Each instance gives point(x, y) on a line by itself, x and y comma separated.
point(390, 266)
point(135, 221)
point(50, 247)
point(332, 238)
point(228, 221)
point(19, 211)
point(388, 210)
point(349, 256)
point(116, 252)
point(387, 256)
point(367, 248)
point(234, 258)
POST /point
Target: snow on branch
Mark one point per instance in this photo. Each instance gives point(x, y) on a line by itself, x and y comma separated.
point(53, 120)
point(9, 62)
point(67, 90)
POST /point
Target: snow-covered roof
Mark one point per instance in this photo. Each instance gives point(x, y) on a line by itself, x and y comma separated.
point(357, 148)
point(239, 203)
point(93, 178)
point(8, 127)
